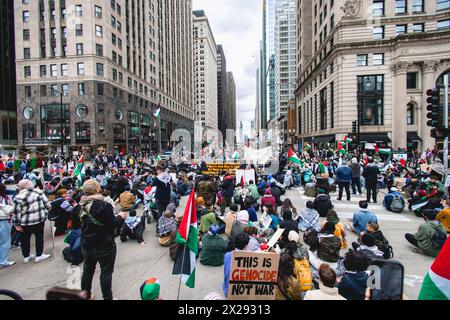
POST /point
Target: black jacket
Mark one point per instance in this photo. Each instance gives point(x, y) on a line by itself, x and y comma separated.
point(227, 188)
point(370, 173)
point(323, 204)
point(162, 190)
point(100, 234)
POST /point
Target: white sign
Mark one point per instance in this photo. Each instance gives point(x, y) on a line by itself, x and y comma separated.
point(249, 175)
point(265, 221)
point(400, 156)
point(275, 238)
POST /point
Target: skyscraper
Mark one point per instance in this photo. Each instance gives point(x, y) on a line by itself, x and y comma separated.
point(205, 65)
point(222, 104)
point(231, 101)
point(8, 99)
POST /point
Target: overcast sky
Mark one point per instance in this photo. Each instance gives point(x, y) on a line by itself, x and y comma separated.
point(237, 26)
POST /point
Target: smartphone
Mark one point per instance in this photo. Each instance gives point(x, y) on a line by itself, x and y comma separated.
point(389, 278)
point(57, 293)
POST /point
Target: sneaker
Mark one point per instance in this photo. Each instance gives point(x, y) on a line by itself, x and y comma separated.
point(28, 259)
point(42, 258)
point(14, 248)
point(7, 265)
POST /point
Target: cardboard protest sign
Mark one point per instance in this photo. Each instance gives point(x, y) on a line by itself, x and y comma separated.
point(253, 275)
point(275, 238)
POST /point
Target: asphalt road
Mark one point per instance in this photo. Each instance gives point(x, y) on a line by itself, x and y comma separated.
point(136, 263)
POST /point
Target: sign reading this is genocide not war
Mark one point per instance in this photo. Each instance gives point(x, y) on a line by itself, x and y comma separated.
point(253, 275)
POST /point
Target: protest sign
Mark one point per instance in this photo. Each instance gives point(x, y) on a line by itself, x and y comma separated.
point(253, 275)
point(249, 175)
point(275, 238)
point(265, 221)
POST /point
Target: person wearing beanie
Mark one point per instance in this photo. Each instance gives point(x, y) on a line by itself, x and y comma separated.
point(344, 176)
point(98, 229)
point(431, 235)
point(214, 247)
point(268, 198)
point(31, 208)
point(150, 290)
point(339, 227)
point(134, 226)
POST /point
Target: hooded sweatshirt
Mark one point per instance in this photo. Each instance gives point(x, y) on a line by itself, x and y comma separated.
point(425, 234)
point(162, 184)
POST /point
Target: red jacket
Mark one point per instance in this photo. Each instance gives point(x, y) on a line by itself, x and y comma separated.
point(269, 199)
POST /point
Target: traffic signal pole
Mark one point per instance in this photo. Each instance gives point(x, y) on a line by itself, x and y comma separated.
point(446, 127)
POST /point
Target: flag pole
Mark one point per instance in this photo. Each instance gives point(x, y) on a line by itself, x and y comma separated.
point(181, 274)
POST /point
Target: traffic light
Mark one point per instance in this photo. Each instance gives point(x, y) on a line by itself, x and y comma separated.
point(440, 133)
point(355, 127)
point(434, 107)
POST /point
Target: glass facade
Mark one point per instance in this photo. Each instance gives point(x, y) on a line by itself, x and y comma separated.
point(51, 122)
point(371, 100)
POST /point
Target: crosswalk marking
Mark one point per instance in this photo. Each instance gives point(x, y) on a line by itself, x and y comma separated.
point(380, 217)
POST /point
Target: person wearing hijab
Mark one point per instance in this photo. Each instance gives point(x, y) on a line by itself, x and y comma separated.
point(242, 221)
point(214, 247)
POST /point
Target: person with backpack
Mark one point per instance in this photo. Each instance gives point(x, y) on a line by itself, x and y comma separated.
point(368, 247)
point(394, 201)
point(444, 215)
point(302, 268)
point(431, 236)
point(380, 240)
point(323, 204)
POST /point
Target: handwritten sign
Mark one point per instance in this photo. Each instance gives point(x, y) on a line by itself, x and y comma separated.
point(275, 238)
point(253, 276)
point(265, 221)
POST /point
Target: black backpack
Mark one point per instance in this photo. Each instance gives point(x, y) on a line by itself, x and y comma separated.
point(438, 239)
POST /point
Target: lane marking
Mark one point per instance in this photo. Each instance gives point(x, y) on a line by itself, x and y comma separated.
point(380, 217)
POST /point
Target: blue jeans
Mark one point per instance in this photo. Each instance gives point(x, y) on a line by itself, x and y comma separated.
point(5, 241)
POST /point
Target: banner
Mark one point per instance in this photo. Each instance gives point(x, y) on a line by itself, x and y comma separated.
point(258, 155)
point(253, 276)
point(249, 175)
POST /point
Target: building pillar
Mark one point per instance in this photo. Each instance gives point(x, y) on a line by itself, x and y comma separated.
point(428, 76)
point(399, 108)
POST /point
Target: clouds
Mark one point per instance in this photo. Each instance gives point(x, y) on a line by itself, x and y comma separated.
point(237, 26)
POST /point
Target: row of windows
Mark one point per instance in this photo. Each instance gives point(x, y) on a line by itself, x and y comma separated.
point(377, 59)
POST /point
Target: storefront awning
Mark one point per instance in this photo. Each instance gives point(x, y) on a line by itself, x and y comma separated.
point(413, 136)
point(324, 139)
point(375, 138)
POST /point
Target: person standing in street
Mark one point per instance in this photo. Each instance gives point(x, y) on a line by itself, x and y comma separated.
point(98, 228)
point(356, 176)
point(370, 174)
point(162, 195)
point(344, 178)
point(31, 208)
point(6, 210)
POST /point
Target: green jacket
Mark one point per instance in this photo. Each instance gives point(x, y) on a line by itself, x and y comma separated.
point(213, 250)
point(254, 191)
point(206, 221)
point(424, 235)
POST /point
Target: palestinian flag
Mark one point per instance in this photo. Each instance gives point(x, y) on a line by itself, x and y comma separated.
point(242, 182)
point(347, 139)
point(235, 155)
point(79, 171)
point(341, 149)
point(157, 113)
point(377, 150)
point(307, 146)
point(187, 240)
point(436, 285)
point(323, 168)
point(292, 157)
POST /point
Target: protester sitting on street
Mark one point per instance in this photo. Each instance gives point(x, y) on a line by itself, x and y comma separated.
point(254, 244)
point(249, 206)
point(108, 199)
point(329, 244)
point(214, 247)
point(97, 237)
point(288, 224)
point(327, 290)
point(431, 236)
point(288, 179)
point(74, 253)
point(368, 247)
point(287, 204)
point(230, 218)
point(240, 244)
point(167, 228)
point(444, 215)
point(323, 204)
point(253, 190)
point(362, 217)
point(208, 219)
point(30, 213)
point(275, 218)
point(288, 287)
point(309, 218)
point(133, 226)
point(380, 240)
point(394, 201)
point(239, 225)
point(352, 285)
point(276, 193)
point(262, 186)
point(339, 227)
point(302, 267)
point(150, 290)
point(268, 198)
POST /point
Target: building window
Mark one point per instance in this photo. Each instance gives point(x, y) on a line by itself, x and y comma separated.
point(26, 34)
point(323, 109)
point(401, 29)
point(361, 60)
point(100, 107)
point(80, 68)
point(417, 6)
point(51, 122)
point(82, 133)
point(100, 89)
point(26, 16)
point(54, 91)
point(27, 71)
point(442, 4)
point(400, 6)
point(418, 27)
point(411, 80)
point(410, 115)
point(99, 50)
point(371, 99)
point(64, 70)
point(42, 71)
point(43, 90)
point(79, 30)
point(378, 8)
point(378, 33)
point(29, 130)
point(79, 10)
point(53, 70)
point(80, 49)
point(27, 91)
point(26, 53)
point(378, 59)
point(443, 24)
point(98, 12)
point(65, 89)
point(81, 89)
point(332, 104)
point(98, 31)
point(100, 69)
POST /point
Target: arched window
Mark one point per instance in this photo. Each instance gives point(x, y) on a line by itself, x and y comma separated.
point(440, 81)
point(410, 114)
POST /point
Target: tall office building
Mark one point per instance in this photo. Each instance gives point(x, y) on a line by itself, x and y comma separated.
point(285, 54)
point(222, 95)
point(113, 63)
point(372, 61)
point(231, 100)
point(8, 104)
point(205, 68)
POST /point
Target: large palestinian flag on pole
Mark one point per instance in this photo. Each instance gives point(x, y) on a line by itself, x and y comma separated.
point(436, 285)
point(79, 171)
point(187, 240)
point(293, 157)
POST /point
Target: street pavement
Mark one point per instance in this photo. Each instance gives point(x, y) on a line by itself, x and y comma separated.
point(135, 263)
